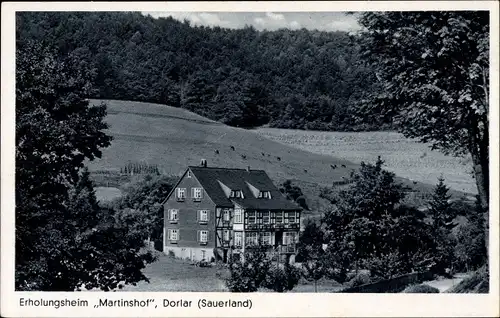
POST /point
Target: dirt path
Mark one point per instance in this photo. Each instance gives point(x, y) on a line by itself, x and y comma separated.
point(445, 284)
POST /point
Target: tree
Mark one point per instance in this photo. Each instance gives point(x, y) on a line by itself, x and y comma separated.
point(311, 254)
point(433, 80)
point(63, 239)
point(241, 77)
point(248, 274)
point(140, 207)
point(367, 222)
point(470, 252)
point(294, 193)
point(442, 214)
point(440, 207)
point(282, 277)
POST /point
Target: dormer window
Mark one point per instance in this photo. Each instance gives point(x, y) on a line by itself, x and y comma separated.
point(236, 194)
point(265, 195)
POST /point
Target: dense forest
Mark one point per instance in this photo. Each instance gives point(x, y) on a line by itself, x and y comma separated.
point(299, 79)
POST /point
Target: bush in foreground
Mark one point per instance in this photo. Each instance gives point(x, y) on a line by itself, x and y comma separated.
point(421, 289)
point(361, 278)
point(282, 278)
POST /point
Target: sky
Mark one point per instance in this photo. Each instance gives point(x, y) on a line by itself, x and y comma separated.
point(324, 21)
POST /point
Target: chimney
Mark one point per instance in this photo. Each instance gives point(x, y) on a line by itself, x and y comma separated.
point(203, 163)
point(248, 168)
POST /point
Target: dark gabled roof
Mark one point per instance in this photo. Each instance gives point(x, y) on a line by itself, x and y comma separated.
point(236, 179)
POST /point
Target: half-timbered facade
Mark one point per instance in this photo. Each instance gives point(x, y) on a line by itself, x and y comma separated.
point(219, 212)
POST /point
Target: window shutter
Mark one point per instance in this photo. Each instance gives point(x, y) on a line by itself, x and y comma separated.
point(199, 236)
point(201, 192)
point(178, 235)
point(192, 192)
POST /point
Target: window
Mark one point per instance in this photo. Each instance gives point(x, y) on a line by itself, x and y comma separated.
point(189, 174)
point(227, 215)
point(236, 194)
point(286, 217)
point(227, 235)
point(266, 238)
point(238, 239)
point(196, 193)
point(265, 194)
point(203, 216)
point(203, 237)
point(289, 238)
point(266, 219)
point(292, 217)
point(173, 215)
point(251, 238)
point(252, 219)
point(173, 234)
point(237, 215)
point(279, 217)
point(181, 194)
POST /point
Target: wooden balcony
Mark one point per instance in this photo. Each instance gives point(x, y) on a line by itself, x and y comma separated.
point(272, 226)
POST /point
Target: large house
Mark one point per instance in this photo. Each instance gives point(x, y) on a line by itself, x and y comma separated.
point(216, 213)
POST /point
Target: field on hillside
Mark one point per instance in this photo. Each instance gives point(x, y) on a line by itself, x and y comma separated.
point(174, 138)
point(407, 158)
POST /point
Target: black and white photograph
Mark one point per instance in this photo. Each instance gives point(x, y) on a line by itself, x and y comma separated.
point(252, 152)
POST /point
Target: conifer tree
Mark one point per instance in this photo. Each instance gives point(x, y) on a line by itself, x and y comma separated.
point(442, 222)
point(440, 206)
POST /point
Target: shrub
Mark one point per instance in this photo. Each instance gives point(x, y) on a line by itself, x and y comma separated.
point(248, 276)
point(421, 289)
point(282, 278)
point(171, 254)
point(360, 279)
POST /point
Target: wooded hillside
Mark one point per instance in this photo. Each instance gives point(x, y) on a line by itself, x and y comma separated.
point(290, 79)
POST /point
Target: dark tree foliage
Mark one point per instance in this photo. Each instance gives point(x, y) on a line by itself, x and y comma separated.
point(433, 71)
point(140, 208)
point(249, 274)
point(369, 228)
point(311, 254)
point(440, 208)
point(63, 239)
point(470, 250)
point(294, 193)
point(293, 79)
point(282, 277)
point(442, 214)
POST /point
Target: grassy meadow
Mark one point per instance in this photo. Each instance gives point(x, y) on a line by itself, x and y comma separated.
point(406, 157)
point(174, 138)
point(175, 275)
